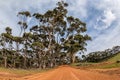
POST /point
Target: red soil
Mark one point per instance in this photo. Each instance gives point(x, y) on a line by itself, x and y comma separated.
point(69, 73)
point(65, 73)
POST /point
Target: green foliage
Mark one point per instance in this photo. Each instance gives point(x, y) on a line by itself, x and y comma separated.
point(52, 41)
point(112, 65)
point(114, 58)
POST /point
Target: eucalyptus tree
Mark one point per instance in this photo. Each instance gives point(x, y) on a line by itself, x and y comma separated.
point(36, 46)
point(9, 39)
point(62, 30)
point(6, 40)
point(76, 37)
point(24, 16)
point(53, 40)
point(17, 40)
point(39, 45)
point(2, 46)
point(50, 25)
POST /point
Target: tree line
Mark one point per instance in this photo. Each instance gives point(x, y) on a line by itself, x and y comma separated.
point(53, 40)
point(99, 56)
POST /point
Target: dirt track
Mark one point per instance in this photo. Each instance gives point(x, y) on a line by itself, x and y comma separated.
point(68, 73)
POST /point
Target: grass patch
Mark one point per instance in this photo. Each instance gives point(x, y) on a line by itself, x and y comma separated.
point(112, 62)
point(114, 58)
point(83, 64)
point(108, 66)
point(22, 72)
point(97, 65)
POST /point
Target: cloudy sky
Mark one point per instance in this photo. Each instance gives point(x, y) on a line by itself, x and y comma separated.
point(102, 18)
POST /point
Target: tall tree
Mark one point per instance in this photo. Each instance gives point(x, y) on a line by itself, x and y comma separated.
point(53, 40)
point(6, 41)
point(24, 25)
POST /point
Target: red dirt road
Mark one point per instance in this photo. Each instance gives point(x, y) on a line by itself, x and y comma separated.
point(69, 73)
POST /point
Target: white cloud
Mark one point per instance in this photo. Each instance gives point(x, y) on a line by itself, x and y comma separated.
point(105, 20)
point(10, 8)
point(108, 22)
point(104, 41)
point(110, 29)
point(109, 17)
point(78, 8)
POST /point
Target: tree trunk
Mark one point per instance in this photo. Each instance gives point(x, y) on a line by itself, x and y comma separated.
point(73, 58)
point(25, 62)
point(44, 65)
point(51, 65)
point(14, 63)
point(5, 62)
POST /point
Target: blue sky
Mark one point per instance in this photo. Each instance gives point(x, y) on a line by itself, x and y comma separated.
point(102, 18)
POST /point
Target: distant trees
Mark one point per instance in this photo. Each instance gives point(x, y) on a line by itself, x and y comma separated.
point(53, 40)
point(102, 55)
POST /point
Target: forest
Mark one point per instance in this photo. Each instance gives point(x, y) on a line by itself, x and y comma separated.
point(53, 40)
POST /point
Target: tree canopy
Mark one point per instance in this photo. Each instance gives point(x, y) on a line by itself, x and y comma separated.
point(53, 40)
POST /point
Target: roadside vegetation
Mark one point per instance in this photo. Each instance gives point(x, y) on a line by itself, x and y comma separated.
point(112, 61)
point(105, 55)
point(115, 58)
point(22, 72)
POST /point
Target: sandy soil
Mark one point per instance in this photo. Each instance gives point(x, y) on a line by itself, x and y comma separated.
point(113, 71)
point(7, 76)
point(67, 73)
